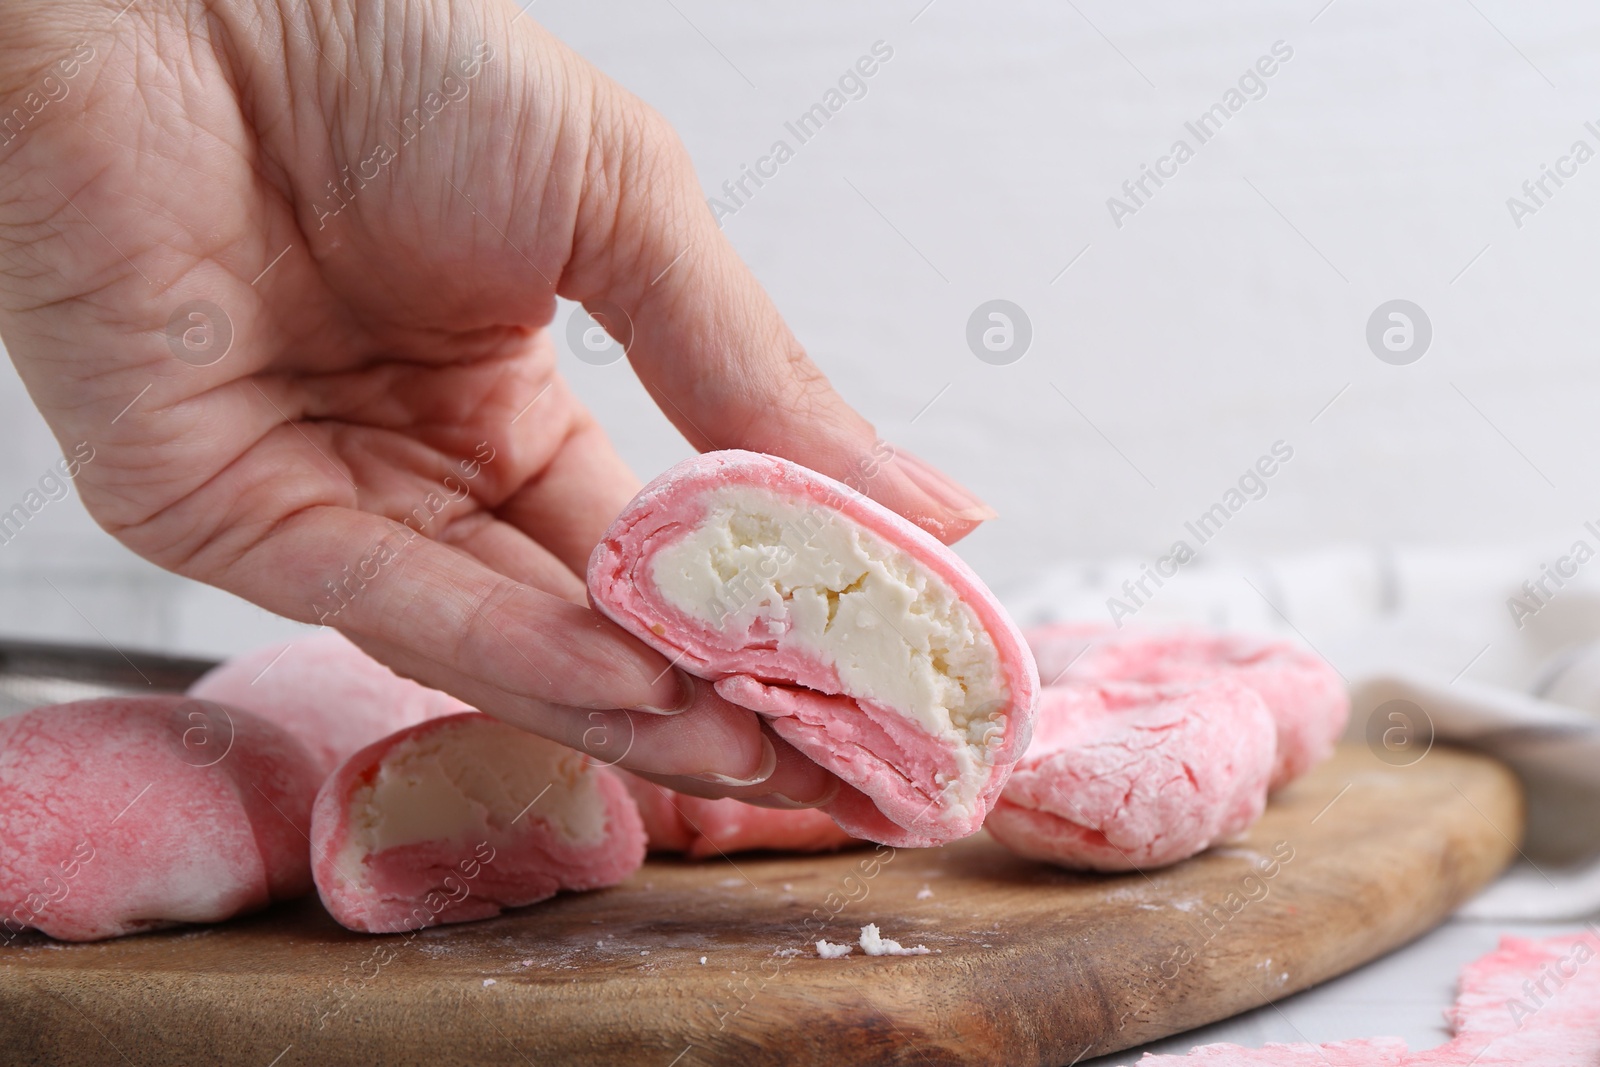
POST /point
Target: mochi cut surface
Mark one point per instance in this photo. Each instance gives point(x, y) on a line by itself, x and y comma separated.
point(871, 647)
point(1125, 776)
point(458, 818)
point(123, 814)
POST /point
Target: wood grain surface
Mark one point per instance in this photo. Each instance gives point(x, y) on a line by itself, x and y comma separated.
point(1030, 965)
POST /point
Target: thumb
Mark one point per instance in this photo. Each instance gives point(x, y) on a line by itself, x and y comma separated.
point(649, 261)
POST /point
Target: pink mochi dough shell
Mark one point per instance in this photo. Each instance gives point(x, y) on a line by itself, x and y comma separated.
point(326, 691)
point(123, 814)
point(700, 828)
point(890, 765)
point(1124, 776)
point(1307, 697)
point(507, 852)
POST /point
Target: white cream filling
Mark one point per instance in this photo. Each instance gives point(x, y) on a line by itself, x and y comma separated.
point(472, 779)
point(814, 582)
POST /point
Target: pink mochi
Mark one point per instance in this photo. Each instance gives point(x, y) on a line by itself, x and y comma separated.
point(701, 828)
point(871, 647)
point(1123, 776)
point(1307, 697)
point(122, 814)
point(458, 818)
point(1059, 646)
point(326, 691)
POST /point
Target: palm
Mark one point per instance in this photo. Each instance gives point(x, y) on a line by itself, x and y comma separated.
point(392, 334)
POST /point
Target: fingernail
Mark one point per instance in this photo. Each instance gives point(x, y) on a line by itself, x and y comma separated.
point(769, 764)
point(945, 490)
point(784, 803)
point(686, 695)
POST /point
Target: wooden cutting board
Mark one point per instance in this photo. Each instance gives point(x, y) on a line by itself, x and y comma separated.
point(698, 963)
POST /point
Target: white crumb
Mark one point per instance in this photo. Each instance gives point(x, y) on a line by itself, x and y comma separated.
point(487, 982)
point(644, 952)
point(829, 951)
point(925, 893)
point(787, 952)
point(527, 963)
point(702, 961)
point(873, 944)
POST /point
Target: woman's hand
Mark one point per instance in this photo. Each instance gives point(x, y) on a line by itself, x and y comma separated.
point(288, 269)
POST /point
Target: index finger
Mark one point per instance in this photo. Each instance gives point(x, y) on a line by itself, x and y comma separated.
point(705, 338)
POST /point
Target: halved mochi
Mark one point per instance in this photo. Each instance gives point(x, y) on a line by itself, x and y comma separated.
point(873, 648)
point(327, 692)
point(701, 828)
point(1124, 776)
point(458, 818)
point(123, 814)
point(1307, 698)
